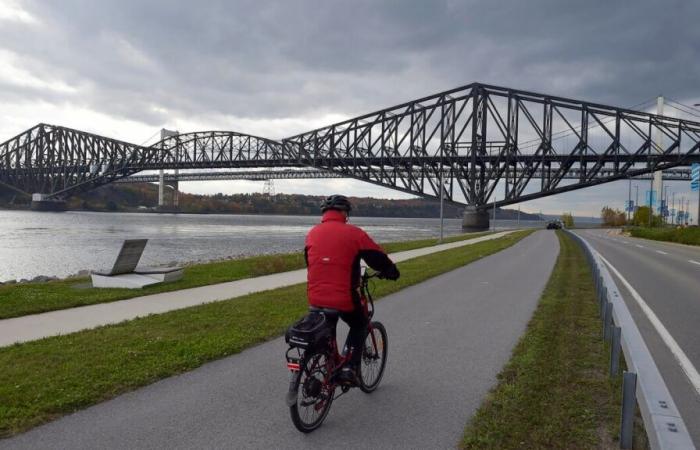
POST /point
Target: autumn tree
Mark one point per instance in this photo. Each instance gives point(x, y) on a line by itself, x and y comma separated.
point(612, 217)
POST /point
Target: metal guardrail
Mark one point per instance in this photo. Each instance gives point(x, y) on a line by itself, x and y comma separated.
point(664, 425)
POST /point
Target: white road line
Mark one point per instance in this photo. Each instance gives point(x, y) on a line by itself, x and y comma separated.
point(640, 246)
point(690, 370)
point(692, 261)
point(662, 252)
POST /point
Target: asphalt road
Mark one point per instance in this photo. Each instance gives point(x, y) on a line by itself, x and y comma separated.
point(667, 277)
point(448, 338)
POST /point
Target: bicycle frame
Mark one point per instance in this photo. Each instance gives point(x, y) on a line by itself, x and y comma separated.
point(335, 360)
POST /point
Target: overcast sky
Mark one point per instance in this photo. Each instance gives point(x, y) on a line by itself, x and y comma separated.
point(127, 68)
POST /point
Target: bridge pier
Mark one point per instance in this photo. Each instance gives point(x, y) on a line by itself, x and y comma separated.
point(475, 219)
point(41, 202)
point(161, 188)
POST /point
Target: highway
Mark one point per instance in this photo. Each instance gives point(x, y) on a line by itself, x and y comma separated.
point(666, 278)
point(448, 338)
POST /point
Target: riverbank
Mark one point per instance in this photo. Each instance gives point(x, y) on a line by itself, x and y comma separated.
point(45, 379)
point(62, 244)
point(32, 298)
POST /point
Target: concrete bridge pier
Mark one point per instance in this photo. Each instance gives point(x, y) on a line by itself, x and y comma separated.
point(41, 202)
point(475, 219)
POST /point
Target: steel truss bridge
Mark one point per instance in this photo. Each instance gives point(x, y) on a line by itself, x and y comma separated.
point(290, 174)
point(470, 139)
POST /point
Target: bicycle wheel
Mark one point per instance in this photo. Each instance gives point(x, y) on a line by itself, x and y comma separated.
point(373, 358)
point(314, 395)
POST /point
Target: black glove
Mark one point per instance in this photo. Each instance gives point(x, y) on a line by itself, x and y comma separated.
point(391, 274)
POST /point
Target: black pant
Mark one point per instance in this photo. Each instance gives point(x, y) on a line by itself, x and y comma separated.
point(358, 332)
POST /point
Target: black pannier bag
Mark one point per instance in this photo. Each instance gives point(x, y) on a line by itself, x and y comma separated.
point(311, 331)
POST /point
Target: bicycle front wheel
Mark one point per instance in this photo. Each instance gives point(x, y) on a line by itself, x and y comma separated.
point(374, 354)
point(314, 394)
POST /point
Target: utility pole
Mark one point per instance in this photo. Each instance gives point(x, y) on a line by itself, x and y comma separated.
point(675, 213)
point(494, 210)
point(518, 226)
point(661, 204)
point(651, 199)
point(629, 198)
point(682, 210)
point(657, 179)
point(442, 201)
point(697, 218)
point(636, 199)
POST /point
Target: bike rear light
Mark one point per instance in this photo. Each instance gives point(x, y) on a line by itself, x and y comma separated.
point(293, 366)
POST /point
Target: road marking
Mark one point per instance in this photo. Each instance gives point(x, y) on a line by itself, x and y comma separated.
point(690, 370)
point(640, 246)
point(662, 252)
point(694, 262)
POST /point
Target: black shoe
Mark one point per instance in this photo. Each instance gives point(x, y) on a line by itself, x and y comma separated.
point(348, 375)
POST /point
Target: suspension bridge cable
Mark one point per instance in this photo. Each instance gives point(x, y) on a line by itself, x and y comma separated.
point(689, 110)
point(152, 136)
point(684, 105)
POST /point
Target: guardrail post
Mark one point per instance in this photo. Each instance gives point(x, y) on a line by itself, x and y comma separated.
point(603, 300)
point(615, 351)
point(607, 321)
point(629, 401)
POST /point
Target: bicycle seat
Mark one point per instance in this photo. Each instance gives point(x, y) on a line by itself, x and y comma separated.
point(328, 312)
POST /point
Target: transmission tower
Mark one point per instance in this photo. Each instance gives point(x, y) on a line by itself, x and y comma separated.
point(269, 188)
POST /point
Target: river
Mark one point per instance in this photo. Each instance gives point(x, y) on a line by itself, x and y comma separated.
point(62, 244)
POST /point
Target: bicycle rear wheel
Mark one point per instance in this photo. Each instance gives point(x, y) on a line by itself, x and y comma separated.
point(374, 354)
point(314, 394)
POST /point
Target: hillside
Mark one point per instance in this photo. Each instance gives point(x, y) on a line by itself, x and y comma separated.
point(144, 197)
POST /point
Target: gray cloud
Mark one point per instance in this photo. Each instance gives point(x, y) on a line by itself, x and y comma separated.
point(292, 59)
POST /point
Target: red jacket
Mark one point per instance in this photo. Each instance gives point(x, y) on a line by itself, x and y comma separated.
point(333, 251)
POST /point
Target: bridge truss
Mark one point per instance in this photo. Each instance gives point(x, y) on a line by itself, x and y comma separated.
point(476, 140)
point(677, 174)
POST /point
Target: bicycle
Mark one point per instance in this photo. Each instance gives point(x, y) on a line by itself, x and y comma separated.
point(314, 361)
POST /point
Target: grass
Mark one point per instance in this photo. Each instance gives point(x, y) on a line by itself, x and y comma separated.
point(43, 380)
point(554, 392)
point(32, 298)
point(689, 236)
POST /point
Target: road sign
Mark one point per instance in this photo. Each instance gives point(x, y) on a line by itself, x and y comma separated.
point(651, 198)
point(695, 177)
point(629, 205)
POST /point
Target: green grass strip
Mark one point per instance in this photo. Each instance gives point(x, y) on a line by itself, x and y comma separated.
point(554, 392)
point(43, 380)
point(689, 236)
point(32, 298)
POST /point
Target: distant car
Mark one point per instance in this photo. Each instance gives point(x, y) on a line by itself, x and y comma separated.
point(554, 225)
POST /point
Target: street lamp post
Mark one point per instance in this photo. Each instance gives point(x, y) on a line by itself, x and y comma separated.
point(675, 213)
point(697, 218)
point(629, 198)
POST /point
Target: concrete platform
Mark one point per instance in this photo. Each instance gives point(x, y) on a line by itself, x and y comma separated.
point(137, 279)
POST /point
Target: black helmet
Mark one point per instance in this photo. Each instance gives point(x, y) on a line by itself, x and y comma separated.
point(337, 202)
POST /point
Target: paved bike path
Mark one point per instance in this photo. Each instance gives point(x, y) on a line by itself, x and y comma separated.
point(38, 326)
point(448, 338)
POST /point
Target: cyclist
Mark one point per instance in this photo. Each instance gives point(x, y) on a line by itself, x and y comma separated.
point(332, 252)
